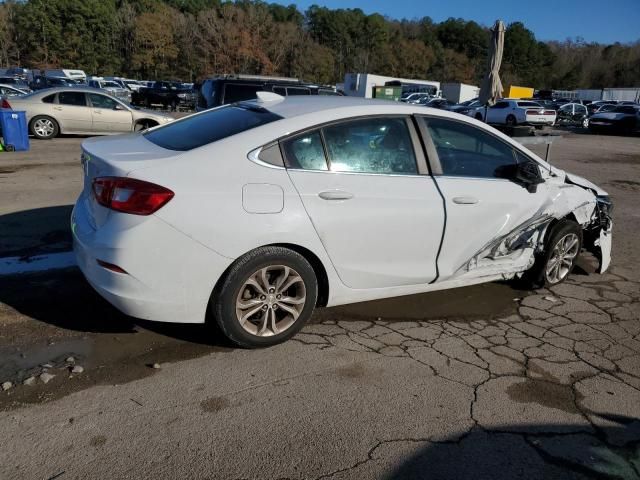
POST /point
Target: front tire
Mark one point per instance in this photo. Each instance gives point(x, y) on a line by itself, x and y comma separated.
point(266, 297)
point(561, 251)
point(44, 127)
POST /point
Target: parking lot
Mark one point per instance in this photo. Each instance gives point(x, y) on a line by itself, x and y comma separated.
point(490, 381)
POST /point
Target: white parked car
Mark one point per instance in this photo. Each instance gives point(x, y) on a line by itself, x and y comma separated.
point(255, 213)
point(516, 112)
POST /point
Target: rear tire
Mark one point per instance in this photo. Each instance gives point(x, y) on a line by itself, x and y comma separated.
point(44, 127)
point(265, 298)
point(511, 121)
point(555, 263)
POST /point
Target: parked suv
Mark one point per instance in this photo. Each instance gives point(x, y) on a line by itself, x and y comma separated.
point(235, 88)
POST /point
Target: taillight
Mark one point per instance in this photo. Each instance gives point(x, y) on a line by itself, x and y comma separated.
point(5, 104)
point(129, 195)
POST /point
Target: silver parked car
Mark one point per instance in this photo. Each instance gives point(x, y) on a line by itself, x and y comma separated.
point(113, 88)
point(82, 111)
point(11, 91)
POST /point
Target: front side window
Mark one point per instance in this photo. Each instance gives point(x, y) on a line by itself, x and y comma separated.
point(102, 101)
point(467, 151)
point(305, 152)
point(72, 98)
point(372, 145)
point(500, 105)
point(210, 126)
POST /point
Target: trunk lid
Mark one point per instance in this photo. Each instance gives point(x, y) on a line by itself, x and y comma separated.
point(115, 156)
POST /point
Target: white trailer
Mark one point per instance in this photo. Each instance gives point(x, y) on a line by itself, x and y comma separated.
point(592, 94)
point(621, 94)
point(459, 92)
point(363, 84)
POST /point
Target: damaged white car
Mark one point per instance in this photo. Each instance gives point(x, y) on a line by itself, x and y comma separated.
point(253, 214)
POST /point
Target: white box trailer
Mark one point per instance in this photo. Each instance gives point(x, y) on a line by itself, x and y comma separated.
point(592, 94)
point(459, 92)
point(363, 84)
point(621, 94)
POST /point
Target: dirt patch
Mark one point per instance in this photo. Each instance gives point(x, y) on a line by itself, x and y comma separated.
point(351, 371)
point(620, 158)
point(215, 404)
point(98, 441)
point(548, 394)
point(47, 318)
point(628, 185)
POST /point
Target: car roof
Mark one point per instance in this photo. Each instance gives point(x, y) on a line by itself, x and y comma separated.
point(298, 105)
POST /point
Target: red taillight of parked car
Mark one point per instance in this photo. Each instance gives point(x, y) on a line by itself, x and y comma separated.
point(129, 195)
point(549, 112)
point(5, 104)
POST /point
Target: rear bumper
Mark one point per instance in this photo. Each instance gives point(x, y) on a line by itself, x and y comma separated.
point(169, 276)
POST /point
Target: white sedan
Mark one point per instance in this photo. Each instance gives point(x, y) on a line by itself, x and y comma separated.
point(255, 213)
point(516, 112)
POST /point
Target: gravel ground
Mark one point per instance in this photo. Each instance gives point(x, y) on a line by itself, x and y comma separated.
point(485, 382)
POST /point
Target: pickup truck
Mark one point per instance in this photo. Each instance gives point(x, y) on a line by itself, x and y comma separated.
point(171, 95)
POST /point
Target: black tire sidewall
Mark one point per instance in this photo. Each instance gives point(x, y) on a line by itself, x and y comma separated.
point(56, 127)
point(513, 122)
point(224, 299)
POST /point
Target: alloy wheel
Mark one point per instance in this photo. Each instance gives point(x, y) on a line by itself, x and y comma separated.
point(270, 300)
point(44, 127)
point(562, 257)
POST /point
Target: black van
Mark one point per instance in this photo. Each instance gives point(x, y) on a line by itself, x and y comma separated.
point(236, 88)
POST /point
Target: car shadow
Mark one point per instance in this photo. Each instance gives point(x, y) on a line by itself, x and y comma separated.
point(536, 451)
point(36, 231)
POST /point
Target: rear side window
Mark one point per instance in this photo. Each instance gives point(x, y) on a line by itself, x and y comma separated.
point(72, 98)
point(373, 145)
point(234, 92)
point(209, 127)
point(49, 98)
point(305, 152)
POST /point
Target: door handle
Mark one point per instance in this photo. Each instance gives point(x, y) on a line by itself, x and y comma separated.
point(335, 195)
point(57, 108)
point(465, 200)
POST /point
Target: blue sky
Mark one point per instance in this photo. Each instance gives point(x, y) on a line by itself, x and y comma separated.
point(594, 20)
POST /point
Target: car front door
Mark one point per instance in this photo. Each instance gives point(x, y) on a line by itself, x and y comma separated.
point(497, 113)
point(475, 171)
point(108, 115)
point(364, 184)
point(73, 112)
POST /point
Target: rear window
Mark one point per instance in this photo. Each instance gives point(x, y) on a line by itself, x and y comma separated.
point(234, 92)
point(529, 104)
point(210, 126)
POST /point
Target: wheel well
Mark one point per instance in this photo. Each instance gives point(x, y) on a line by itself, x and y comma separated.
point(571, 217)
point(318, 268)
point(148, 123)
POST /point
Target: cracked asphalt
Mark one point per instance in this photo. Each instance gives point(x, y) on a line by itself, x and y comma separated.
point(485, 382)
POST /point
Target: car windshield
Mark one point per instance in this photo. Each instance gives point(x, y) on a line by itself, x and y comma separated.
point(210, 126)
point(109, 84)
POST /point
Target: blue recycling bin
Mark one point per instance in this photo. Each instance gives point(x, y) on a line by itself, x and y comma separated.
point(15, 133)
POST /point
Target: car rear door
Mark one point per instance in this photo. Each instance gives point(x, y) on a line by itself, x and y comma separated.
point(72, 112)
point(365, 186)
point(497, 113)
point(474, 171)
point(108, 115)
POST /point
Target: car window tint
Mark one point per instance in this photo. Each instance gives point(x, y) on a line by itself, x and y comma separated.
point(326, 92)
point(501, 105)
point(72, 98)
point(49, 98)
point(298, 91)
point(528, 104)
point(280, 91)
point(234, 92)
point(372, 145)
point(209, 126)
point(305, 152)
point(102, 101)
point(467, 151)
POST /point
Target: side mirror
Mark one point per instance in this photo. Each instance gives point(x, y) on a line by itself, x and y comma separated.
point(118, 107)
point(528, 174)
